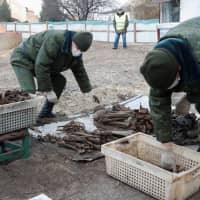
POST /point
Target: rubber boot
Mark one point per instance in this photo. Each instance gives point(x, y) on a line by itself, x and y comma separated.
point(46, 111)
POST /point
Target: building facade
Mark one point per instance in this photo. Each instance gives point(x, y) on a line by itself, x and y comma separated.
point(189, 9)
point(21, 13)
point(178, 10)
point(169, 11)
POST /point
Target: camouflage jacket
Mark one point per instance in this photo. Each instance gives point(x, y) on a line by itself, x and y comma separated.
point(160, 100)
point(50, 53)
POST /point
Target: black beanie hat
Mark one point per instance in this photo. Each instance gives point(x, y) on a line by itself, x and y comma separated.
point(159, 68)
point(83, 40)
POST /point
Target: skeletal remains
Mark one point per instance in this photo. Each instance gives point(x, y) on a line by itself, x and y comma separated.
point(117, 122)
point(11, 96)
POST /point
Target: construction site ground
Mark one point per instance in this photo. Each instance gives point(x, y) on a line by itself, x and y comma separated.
point(114, 75)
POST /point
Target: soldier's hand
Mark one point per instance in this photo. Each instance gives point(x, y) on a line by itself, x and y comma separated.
point(183, 106)
point(168, 145)
point(168, 160)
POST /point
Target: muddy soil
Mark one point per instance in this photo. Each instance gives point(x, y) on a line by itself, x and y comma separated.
point(113, 73)
point(49, 169)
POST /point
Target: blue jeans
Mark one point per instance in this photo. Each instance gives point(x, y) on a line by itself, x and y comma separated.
point(116, 42)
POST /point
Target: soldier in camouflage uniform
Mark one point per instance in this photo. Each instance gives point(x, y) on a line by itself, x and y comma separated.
point(173, 66)
point(44, 56)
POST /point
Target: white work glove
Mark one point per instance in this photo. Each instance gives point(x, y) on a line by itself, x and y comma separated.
point(183, 106)
point(168, 160)
point(50, 96)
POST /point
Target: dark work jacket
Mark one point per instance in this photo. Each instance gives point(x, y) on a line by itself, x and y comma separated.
point(183, 41)
point(48, 53)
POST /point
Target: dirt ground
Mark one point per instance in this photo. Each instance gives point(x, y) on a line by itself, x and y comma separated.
point(49, 169)
point(112, 73)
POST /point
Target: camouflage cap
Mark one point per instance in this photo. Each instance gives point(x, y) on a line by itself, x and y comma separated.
point(159, 68)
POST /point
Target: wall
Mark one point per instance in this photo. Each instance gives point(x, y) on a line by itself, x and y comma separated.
point(2, 28)
point(102, 31)
point(31, 17)
point(9, 40)
point(189, 9)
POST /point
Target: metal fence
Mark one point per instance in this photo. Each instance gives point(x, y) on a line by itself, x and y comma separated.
point(138, 30)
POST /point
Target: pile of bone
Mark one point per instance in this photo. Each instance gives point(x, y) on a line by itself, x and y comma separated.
point(12, 96)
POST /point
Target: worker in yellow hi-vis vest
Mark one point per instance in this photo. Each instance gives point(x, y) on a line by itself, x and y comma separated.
point(120, 24)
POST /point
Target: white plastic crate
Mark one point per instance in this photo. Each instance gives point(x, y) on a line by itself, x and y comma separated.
point(41, 197)
point(135, 160)
point(19, 115)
